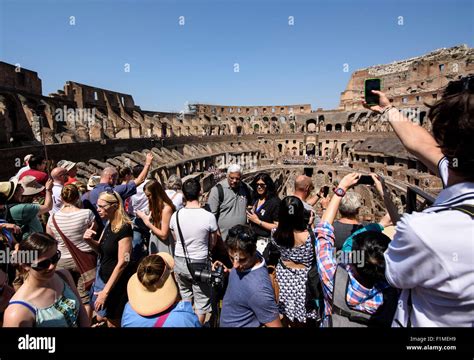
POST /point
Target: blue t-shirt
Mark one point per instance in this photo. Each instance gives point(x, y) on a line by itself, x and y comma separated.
point(90, 198)
point(182, 315)
point(249, 300)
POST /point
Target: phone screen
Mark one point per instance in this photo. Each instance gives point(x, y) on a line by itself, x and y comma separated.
point(325, 191)
point(366, 180)
point(371, 84)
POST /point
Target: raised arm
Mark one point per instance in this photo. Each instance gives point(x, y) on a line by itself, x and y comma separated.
point(416, 139)
point(142, 177)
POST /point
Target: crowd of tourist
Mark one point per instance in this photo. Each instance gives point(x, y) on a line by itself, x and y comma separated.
point(126, 250)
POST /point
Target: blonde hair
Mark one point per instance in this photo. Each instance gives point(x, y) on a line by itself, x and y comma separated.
point(120, 216)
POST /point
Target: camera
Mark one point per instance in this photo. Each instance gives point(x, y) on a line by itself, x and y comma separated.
point(213, 277)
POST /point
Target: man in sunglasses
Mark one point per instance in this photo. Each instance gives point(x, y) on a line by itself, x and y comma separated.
point(430, 257)
point(228, 200)
point(249, 300)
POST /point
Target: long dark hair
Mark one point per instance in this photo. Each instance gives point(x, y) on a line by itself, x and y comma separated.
point(290, 218)
point(270, 189)
point(157, 200)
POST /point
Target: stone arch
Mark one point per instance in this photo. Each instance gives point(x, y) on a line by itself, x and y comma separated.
point(328, 127)
point(338, 127)
point(311, 125)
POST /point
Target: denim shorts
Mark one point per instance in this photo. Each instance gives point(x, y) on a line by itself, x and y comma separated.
point(98, 286)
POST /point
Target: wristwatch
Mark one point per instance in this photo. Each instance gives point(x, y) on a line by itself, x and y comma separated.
point(339, 192)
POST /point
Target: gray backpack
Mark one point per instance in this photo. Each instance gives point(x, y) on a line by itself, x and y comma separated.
point(343, 316)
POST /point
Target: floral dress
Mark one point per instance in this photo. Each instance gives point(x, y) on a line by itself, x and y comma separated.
point(292, 282)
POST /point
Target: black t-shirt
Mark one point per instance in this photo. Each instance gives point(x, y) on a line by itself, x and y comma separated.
point(343, 231)
point(268, 212)
point(109, 249)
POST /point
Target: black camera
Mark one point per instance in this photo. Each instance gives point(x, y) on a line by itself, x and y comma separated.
point(213, 277)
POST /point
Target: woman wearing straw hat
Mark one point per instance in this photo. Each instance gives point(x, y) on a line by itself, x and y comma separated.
point(153, 297)
point(18, 211)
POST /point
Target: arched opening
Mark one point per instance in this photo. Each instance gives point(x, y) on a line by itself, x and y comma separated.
point(348, 126)
point(256, 128)
point(310, 149)
point(274, 118)
point(265, 118)
point(294, 151)
point(338, 127)
point(311, 125)
point(239, 130)
point(328, 127)
point(321, 118)
point(330, 176)
point(280, 148)
point(422, 117)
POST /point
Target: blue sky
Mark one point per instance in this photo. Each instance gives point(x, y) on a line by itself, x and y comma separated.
point(172, 63)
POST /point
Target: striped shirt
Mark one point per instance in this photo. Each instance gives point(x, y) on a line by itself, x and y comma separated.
point(73, 225)
point(358, 297)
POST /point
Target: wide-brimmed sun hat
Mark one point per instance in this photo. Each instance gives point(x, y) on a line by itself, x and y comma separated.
point(30, 185)
point(146, 302)
point(68, 165)
point(7, 189)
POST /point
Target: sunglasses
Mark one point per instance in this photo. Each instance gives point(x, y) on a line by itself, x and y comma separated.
point(261, 185)
point(45, 264)
point(243, 236)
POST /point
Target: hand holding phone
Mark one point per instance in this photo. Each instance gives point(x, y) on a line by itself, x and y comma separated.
point(365, 180)
point(369, 85)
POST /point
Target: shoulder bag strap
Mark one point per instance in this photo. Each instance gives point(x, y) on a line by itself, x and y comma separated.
point(181, 238)
point(70, 246)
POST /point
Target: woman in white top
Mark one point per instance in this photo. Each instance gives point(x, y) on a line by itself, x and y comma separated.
point(73, 223)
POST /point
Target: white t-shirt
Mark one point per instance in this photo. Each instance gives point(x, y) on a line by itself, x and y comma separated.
point(139, 201)
point(57, 199)
point(73, 225)
point(196, 224)
point(432, 253)
point(177, 199)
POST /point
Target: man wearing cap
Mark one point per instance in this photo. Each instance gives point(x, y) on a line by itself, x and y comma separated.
point(59, 175)
point(71, 168)
point(23, 214)
point(153, 296)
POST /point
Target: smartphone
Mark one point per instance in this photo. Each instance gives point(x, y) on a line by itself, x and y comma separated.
point(325, 191)
point(365, 180)
point(369, 85)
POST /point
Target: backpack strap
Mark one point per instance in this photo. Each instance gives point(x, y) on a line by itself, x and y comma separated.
point(465, 208)
point(339, 304)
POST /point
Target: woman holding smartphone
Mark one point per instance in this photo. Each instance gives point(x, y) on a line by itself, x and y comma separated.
point(263, 215)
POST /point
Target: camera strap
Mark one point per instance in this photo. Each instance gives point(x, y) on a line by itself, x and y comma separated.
point(184, 246)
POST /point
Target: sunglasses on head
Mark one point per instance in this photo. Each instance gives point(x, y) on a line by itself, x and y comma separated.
point(243, 236)
point(45, 264)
